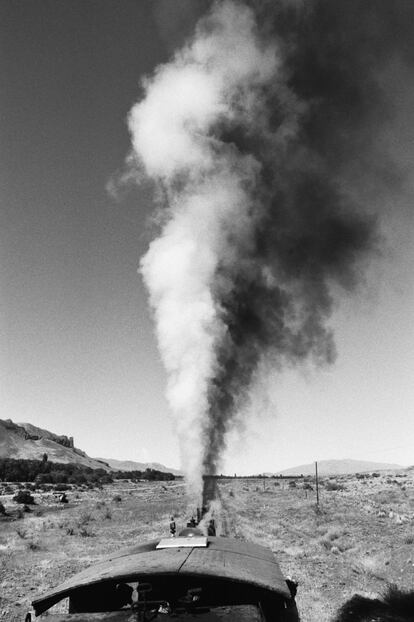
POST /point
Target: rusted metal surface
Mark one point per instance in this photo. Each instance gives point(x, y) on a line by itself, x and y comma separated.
point(223, 558)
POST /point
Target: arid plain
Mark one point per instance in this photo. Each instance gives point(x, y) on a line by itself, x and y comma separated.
point(359, 539)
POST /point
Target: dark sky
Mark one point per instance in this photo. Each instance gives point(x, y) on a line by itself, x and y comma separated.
point(78, 355)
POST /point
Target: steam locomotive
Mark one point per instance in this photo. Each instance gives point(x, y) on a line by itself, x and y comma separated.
point(193, 577)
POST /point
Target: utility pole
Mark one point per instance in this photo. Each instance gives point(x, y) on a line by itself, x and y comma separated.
point(317, 484)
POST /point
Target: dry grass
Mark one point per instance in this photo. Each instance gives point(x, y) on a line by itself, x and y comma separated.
point(54, 541)
point(359, 540)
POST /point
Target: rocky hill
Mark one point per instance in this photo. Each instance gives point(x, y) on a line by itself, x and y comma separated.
point(26, 441)
point(339, 467)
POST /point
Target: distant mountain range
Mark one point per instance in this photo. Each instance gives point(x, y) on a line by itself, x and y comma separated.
point(338, 467)
point(28, 442)
point(131, 465)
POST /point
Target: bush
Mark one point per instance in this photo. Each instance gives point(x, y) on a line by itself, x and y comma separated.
point(24, 496)
point(33, 545)
point(85, 518)
point(334, 486)
point(86, 533)
point(22, 533)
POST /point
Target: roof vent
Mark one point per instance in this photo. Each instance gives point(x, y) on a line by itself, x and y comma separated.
point(181, 542)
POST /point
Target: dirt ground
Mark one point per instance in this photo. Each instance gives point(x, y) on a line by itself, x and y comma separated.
point(360, 539)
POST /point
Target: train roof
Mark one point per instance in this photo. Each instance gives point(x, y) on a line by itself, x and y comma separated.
point(228, 559)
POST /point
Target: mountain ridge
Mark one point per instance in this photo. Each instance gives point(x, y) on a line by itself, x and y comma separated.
point(338, 467)
point(26, 441)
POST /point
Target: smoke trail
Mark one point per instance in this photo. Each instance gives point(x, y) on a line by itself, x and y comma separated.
point(249, 140)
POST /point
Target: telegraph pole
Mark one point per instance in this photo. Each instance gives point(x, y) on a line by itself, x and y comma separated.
point(317, 484)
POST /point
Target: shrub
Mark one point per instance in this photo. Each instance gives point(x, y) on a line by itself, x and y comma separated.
point(334, 486)
point(24, 496)
point(86, 533)
point(117, 499)
point(85, 518)
point(21, 533)
point(33, 545)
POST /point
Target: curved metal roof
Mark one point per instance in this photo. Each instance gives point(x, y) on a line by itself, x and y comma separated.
point(223, 558)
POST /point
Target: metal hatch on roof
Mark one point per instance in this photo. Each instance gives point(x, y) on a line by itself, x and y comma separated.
point(195, 542)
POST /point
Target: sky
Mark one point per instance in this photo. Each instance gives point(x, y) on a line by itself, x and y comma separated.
point(79, 354)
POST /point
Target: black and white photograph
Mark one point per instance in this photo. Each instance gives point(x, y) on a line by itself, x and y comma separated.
point(207, 310)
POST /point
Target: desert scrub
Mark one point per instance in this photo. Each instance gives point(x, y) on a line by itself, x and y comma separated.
point(334, 486)
point(33, 545)
point(85, 518)
point(22, 533)
point(24, 496)
point(84, 532)
point(335, 536)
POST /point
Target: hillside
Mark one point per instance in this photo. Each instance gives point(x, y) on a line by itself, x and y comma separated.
point(26, 441)
point(131, 465)
point(339, 467)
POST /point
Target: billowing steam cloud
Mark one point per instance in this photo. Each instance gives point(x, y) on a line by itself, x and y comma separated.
point(249, 133)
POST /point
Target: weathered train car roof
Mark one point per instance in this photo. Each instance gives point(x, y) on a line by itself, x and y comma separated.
point(223, 558)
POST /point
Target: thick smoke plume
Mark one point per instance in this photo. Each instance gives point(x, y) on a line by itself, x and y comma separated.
point(251, 133)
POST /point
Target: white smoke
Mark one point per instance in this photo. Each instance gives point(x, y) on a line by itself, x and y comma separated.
point(215, 79)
